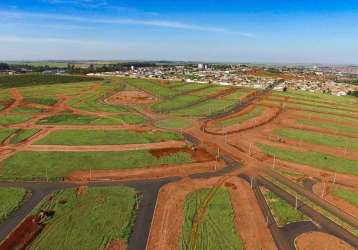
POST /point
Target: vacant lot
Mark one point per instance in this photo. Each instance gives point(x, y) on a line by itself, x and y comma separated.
point(317, 138)
point(9, 119)
point(210, 107)
point(10, 199)
point(152, 87)
point(74, 119)
point(314, 159)
point(216, 229)
point(346, 194)
point(91, 220)
point(283, 212)
point(173, 123)
point(100, 137)
point(56, 165)
point(241, 118)
point(332, 126)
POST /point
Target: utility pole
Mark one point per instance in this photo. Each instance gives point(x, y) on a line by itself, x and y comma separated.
point(296, 203)
point(252, 182)
point(274, 162)
point(334, 178)
point(218, 154)
point(250, 149)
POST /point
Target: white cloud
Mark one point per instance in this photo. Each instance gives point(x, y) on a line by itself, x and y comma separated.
point(124, 21)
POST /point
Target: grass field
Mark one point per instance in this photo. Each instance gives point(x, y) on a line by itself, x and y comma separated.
point(242, 118)
point(330, 125)
point(73, 119)
point(42, 101)
point(8, 119)
point(39, 79)
point(94, 100)
point(152, 87)
point(213, 89)
point(55, 165)
point(217, 230)
point(317, 138)
point(175, 103)
point(346, 194)
point(26, 110)
point(91, 220)
point(328, 116)
point(314, 159)
point(100, 137)
point(5, 133)
point(210, 107)
point(283, 212)
point(10, 199)
point(173, 123)
point(22, 135)
point(189, 87)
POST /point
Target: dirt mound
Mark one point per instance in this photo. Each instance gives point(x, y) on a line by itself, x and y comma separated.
point(131, 97)
point(320, 241)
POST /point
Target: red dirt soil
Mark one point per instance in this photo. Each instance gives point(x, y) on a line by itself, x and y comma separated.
point(131, 97)
point(168, 216)
point(154, 172)
point(22, 235)
point(105, 148)
point(116, 245)
point(320, 241)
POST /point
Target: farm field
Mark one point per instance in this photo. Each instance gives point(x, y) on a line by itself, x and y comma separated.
point(215, 229)
point(98, 216)
point(346, 194)
point(57, 165)
point(238, 119)
point(10, 200)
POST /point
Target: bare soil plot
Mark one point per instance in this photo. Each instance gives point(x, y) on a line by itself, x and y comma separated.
point(320, 241)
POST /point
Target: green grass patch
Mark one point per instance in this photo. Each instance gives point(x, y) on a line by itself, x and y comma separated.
point(73, 119)
point(22, 135)
point(173, 123)
point(152, 87)
point(242, 118)
point(10, 199)
point(5, 133)
point(217, 230)
point(100, 137)
point(314, 159)
point(328, 116)
point(88, 221)
point(26, 110)
point(40, 79)
point(42, 101)
point(210, 107)
point(346, 194)
point(8, 119)
point(212, 89)
point(317, 138)
point(175, 103)
point(35, 165)
point(329, 125)
point(68, 119)
point(189, 87)
point(283, 212)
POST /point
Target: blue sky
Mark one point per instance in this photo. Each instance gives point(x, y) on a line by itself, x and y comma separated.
point(222, 31)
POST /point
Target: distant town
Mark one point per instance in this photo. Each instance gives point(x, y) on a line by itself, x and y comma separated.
point(334, 80)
